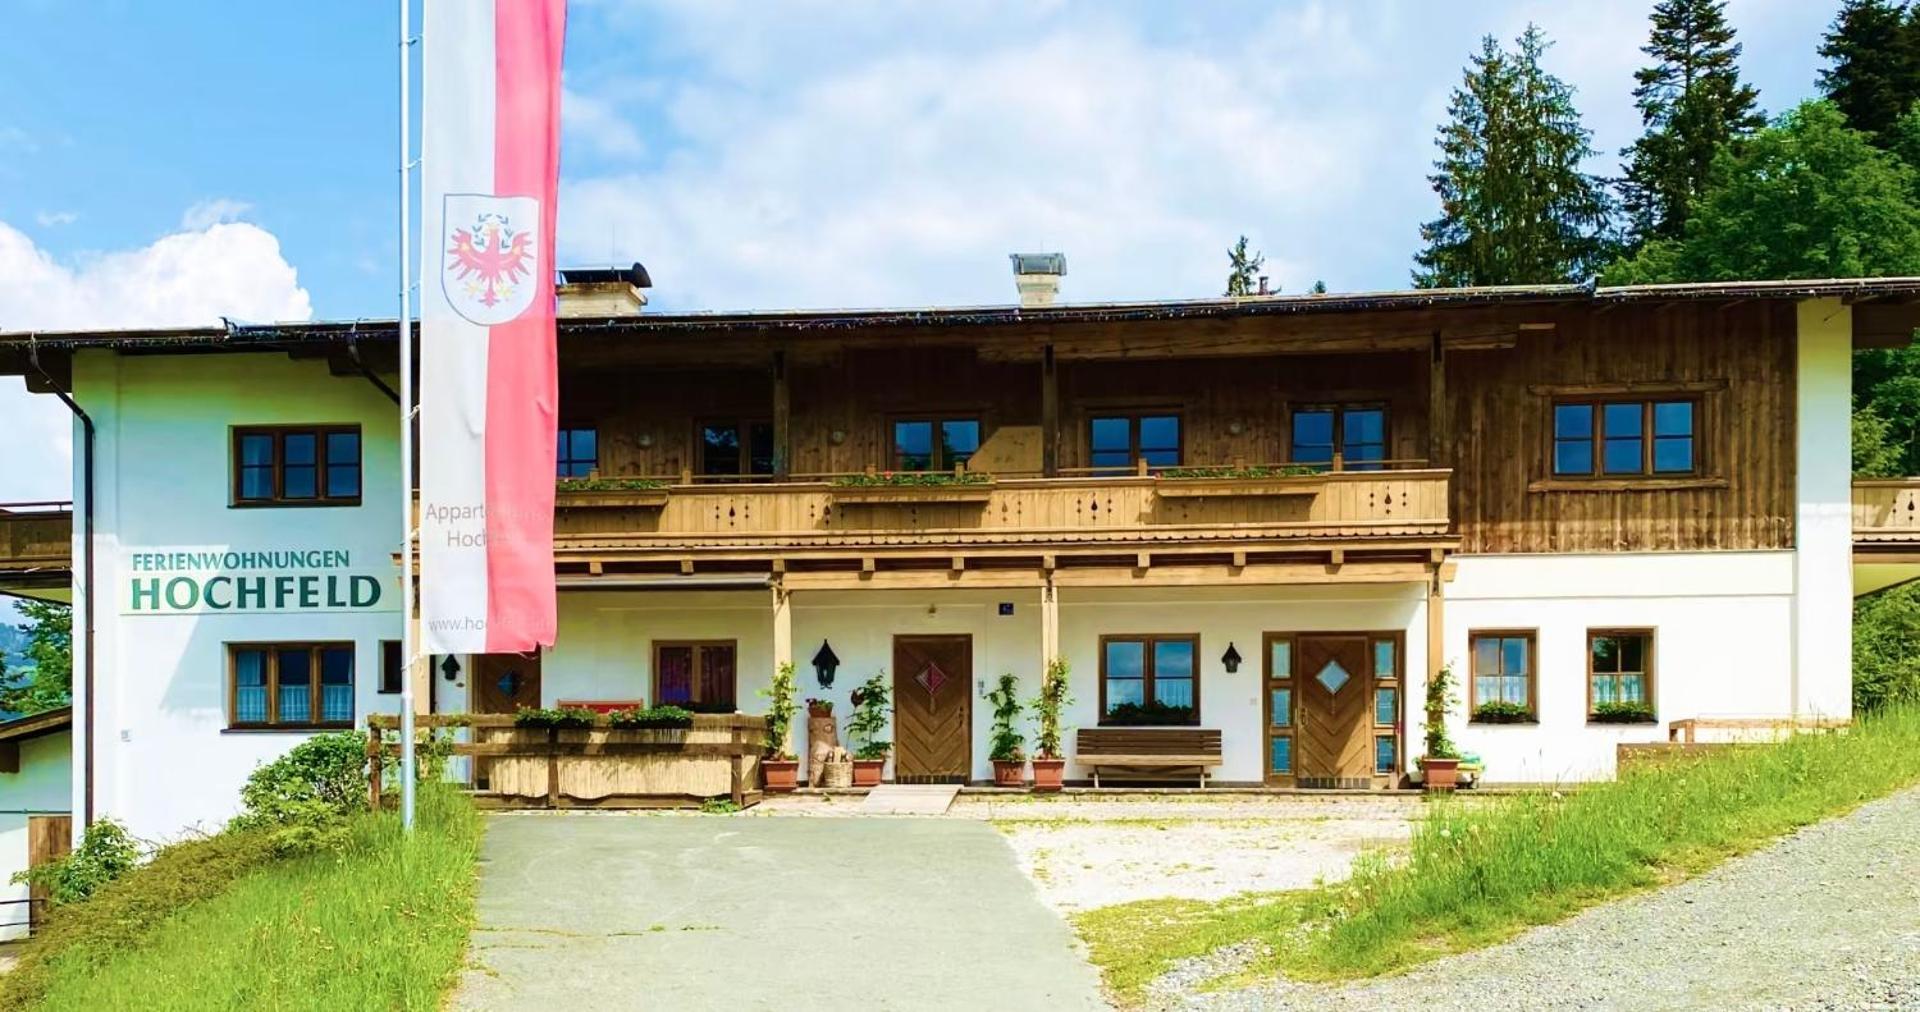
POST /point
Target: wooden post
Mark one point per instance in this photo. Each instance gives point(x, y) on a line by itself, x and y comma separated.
point(1049, 414)
point(1437, 422)
point(782, 418)
point(1049, 623)
point(738, 764)
point(553, 767)
point(375, 760)
point(1436, 631)
point(782, 640)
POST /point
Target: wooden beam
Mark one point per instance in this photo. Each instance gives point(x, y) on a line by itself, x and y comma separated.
point(9, 756)
point(1049, 413)
point(782, 417)
point(1436, 635)
point(686, 567)
point(1338, 557)
point(1438, 450)
point(1143, 560)
point(1884, 325)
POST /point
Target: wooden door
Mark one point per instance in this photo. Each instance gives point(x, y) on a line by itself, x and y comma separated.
point(932, 709)
point(48, 837)
point(502, 683)
point(1333, 713)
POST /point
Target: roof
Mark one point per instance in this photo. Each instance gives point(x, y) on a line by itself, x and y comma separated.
point(36, 724)
point(238, 336)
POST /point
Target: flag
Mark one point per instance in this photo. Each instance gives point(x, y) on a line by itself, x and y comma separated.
point(490, 164)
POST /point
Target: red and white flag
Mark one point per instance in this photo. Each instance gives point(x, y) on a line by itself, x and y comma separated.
point(490, 166)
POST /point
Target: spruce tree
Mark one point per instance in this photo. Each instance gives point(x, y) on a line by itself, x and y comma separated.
point(1691, 101)
point(1516, 206)
point(1874, 48)
point(1242, 267)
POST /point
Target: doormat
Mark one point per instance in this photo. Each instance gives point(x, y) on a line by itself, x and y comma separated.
point(909, 799)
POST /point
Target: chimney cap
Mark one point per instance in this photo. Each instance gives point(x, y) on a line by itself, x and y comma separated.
point(636, 275)
point(1038, 263)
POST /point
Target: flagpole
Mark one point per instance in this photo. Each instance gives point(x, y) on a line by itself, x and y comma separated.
point(408, 641)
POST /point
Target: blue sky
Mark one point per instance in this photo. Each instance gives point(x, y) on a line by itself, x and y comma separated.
point(169, 163)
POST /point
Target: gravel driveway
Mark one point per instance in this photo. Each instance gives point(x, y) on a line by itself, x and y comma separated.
point(1827, 919)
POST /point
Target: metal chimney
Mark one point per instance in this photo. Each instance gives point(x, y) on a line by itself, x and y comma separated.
point(1037, 276)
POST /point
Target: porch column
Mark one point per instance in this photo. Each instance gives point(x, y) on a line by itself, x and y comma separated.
point(1438, 451)
point(1049, 415)
point(1821, 682)
point(782, 636)
point(1049, 623)
point(1436, 659)
point(782, 421)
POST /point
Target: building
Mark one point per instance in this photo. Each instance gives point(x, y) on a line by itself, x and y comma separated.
point(1276, 517)
point(36, 825)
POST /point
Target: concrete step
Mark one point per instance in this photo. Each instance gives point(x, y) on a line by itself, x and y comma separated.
point(909, 799)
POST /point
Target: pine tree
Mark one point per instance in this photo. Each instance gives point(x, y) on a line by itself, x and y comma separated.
point(1515, 205)
point(1874, 47)
point(1319, 288)
point(1242, 267)
point(1691, 102)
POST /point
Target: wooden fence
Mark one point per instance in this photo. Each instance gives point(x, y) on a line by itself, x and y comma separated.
point(593, 767)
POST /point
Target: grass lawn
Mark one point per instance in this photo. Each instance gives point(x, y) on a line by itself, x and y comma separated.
point(381, 924)
point(1479, 873)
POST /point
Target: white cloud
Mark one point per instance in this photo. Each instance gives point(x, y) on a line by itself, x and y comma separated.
point(191, 277)
point(54, 219)
point(598, 122)
point(216, 211)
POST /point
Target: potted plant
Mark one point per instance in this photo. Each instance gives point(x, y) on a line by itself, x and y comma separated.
point(819, 707)
point(1440, 765)
point(1009, 762)
point(864, 728)
point(1048, 762)
point(1498, 712)
point(780, 767)
point(1629, 712)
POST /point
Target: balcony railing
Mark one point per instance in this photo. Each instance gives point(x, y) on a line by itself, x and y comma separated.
point(1124, 508)
point(35, 536)
point(1886, 511)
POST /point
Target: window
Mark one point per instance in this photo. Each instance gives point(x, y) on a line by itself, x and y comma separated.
point(579, 453)
point(1502, 668)
point(296, 466)
point(1358, 432)
point(1616, 438)
point(1157, 674)
point(699, 675)
point(1118, 441)
point(1386, 706)
point(392, 666)
point(1279, 673)
point(736, 449)
point(298, 685)
point(1619, 667)
point(915, 447)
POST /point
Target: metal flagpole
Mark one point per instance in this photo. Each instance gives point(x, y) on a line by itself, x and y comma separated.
point(408, 641)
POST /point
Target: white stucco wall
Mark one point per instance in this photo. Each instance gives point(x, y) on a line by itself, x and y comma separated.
point(43, 786)
point(1823, 522)
point(165, 760)
point(1722, 646)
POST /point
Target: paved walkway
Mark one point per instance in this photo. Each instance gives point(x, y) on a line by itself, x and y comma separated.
point(604, 911)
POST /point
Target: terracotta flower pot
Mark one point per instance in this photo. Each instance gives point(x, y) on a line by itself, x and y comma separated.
point(1441, 774)
point(1009, 773)
point(1047, 774)
point(866, 772)
point(782, 774)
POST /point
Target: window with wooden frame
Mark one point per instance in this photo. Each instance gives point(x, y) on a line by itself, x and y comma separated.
point(736, 447)
point(1386, 705)
point(393, 667)
point(1279, 675)
point(1503, 669)
point(1120, 440)
point(296, 465)
point(578, 454)
point(934, 444)
point(700, 675)
point(1626, 437)
point(290, 685)
point(1619, 667)
point(1357, 432)
point(1157, 675)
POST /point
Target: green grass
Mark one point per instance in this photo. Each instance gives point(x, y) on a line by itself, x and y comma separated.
point(381, 924)
point(1475, 874)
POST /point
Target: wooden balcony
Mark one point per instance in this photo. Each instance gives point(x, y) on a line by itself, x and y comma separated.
point(36, 545)
point(1133, 519)
point(1886, 511)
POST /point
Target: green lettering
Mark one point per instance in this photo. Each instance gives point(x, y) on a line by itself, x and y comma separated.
point(182, 601)
point(365, 591)
point(254, 588)
point(148, 591)
point(309, 592)
point(207, 594)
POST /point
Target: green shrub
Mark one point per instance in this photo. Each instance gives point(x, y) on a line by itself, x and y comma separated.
point(607, 484)
point(1622, 713)
point(301, 797)
point(1047, 707)
point(1253, 471)
point(1503, 713)
point(1151, 713)
point(105, 853)
point(872, 701)
point(1003, 742)
point(1439, 701)
point(780, 709)
point(570, 717)
point(663, 718)
point(912, 479)
point(1886, 649)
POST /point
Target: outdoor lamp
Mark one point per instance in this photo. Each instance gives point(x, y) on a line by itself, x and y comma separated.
point(825, 661)
point(1231, 659)
point(450, 668)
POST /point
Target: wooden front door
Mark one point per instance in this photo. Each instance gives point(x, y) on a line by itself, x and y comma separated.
point(932, 709)
point(48, 838)
point(502, 683)
point(1333, 713)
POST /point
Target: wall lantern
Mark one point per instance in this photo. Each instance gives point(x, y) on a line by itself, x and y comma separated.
point(825, 662)
point(1231, 659)
point(450, 668)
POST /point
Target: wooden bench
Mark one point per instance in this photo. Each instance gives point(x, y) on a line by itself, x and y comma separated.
point(1147, 748)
